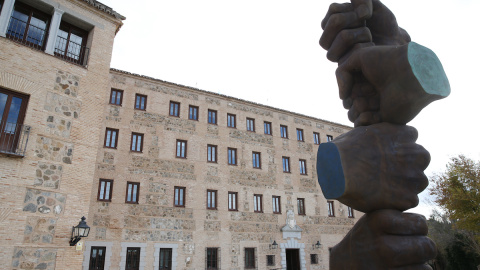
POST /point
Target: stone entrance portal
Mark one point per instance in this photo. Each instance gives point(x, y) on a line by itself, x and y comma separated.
point(293, 259)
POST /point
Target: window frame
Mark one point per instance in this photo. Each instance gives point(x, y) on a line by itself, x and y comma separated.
point(287, 160)
point(183, 146)
point(329, 138)
point(82, 52)
point(257, 203)
point(316, 138)
point(129, 257)
point(231, 119)
point(301, 206)
point(212, 198)
point(117, 133)
point(101, 180)
point(233, 198)
point(132, 145)
point(276, 204)
point(216, 258)
point(303, 166)
point(183, 196)
point(9, 139)
point(212, 117)
point(193, 112)
point(313, 258)
point(117, 91)
point(331, 208)
point(137, 196)
point(250, 124)
point(139, 97)
point(270, 260)
point(212, 157)
point(350, 212)
point(40, 15)
point(250, 263)
point(97, 259)
point(284, 131)
point(300, 135)
point(167, 258)
point(257, 156)
point(265, 129)
point(232, 150)
point(174, 109)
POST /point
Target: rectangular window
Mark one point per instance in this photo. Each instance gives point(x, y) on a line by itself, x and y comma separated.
point(111, 138)
point(133, 258)
point(13, 135)
point(350, 212)
point(212, 258)
point(212, 199)
point(301, 206)
point(284, 131)
point(116, 97)
point(179, 198)
point(286, 164)
point(267, 128)
point(257, 163)
point(232, 201)
point(212, 153)
point(249, 258)
point(257, 203)
point(174, 109)
point(140, 102)
point(331, 211)
point(28, 26)
point(137, 142)
point(97, 258)
point(251, 124)
point(133, 191)
point(313, 258)
point(212, 117)
point(329, 138)
point(105, 187)
point(270, 260)
point(181, 149)
point(165, 259)
point(300, 135)
point(70, 44)
point(316, 138)
point(276, 206)
point(232, 156)
point(193, 112)
point(231, 120)
point(303, 166)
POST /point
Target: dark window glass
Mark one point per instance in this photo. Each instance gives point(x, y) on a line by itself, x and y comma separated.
point(97, 258)
point(212, 153)
point(12, 112)
point(212, 117)
point(316, 138)
point(133, 259)
point(105, 187)
point(133, 191)
point(1, 5)
point(270, 260)
point(267, 128)
point(300, 135)
point(286, 164)
point(257, 163)
point(137, 142)
point(212, 258)
point(28, 26)
point(276, 205)
point(165, 259)
point(211, 199)
point(231, 121)
point(303, 166)
point(331, 211)
point(193, 112)
point(179, 197)
point(111, 138)
point(174, 109)
point(181, 149)
point(350, 212)
point(232, 201)
point(284, 132)
point(140, 102)
point(251, 124)
point(313, 258)
point(70, 43)
point(329, 138)
point(249, 258)
point(257, 203)
point(301, 206)
point(232, 156)
point(116, 97)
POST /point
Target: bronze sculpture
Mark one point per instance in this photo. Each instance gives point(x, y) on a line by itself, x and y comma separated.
point(384, 80)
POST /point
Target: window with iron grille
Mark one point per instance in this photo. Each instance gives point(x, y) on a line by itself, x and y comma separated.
point(212, 199)
point(249, 258)
point(140, 102)
point(257, 203)
point(331, 211)
point(284, 131)
point(316, 138)
point(111, 138)
point(212, 117)
point(301, 206)
point(133, 191)
point(133, 258)
point(181, 149)
point(286, 164)
point(270, 260)
point(251, 124)
point(193, 112)
point(70, 44)
point(329, 138)
point(232, 201)
point(257, 163)
point(28, 26)
point(232, 156)
point(313, 258)
point(303, 166)
point(165, 259)
point(267, 128)
point(212, 258)
point(300, 135)
point(212, 153)
point(12, 113)
point(105, 187)
point(350, 212)
point(231, 120)
point(174, 109)
point(116, 97)
point(97, 258)
point(277, 208)
point(137, 142)
point(179, 197)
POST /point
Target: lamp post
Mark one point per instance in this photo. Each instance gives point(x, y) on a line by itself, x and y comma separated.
point(79, 231)
point(274, 245)
point(317, 245)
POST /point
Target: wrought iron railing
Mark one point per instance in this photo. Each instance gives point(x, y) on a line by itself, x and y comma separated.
point(71, 51)
point(34, 36)
point(13, 138)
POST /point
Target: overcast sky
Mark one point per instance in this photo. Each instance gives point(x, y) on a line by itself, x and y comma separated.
point(267, 51)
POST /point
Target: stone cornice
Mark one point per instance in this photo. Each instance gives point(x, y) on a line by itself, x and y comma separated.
point(104, 8)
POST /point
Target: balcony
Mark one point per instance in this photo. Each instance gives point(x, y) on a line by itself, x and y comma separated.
point(13, 138)
point(26, 34)
point(71, 51)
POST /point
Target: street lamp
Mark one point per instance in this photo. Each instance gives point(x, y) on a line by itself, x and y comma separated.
point(317, 245)
point(274, 245)
point(79, 231)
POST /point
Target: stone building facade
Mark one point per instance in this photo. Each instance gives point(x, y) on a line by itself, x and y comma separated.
point(168, 176)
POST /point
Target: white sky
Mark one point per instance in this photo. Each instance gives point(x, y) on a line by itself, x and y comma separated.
point(267, 51)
